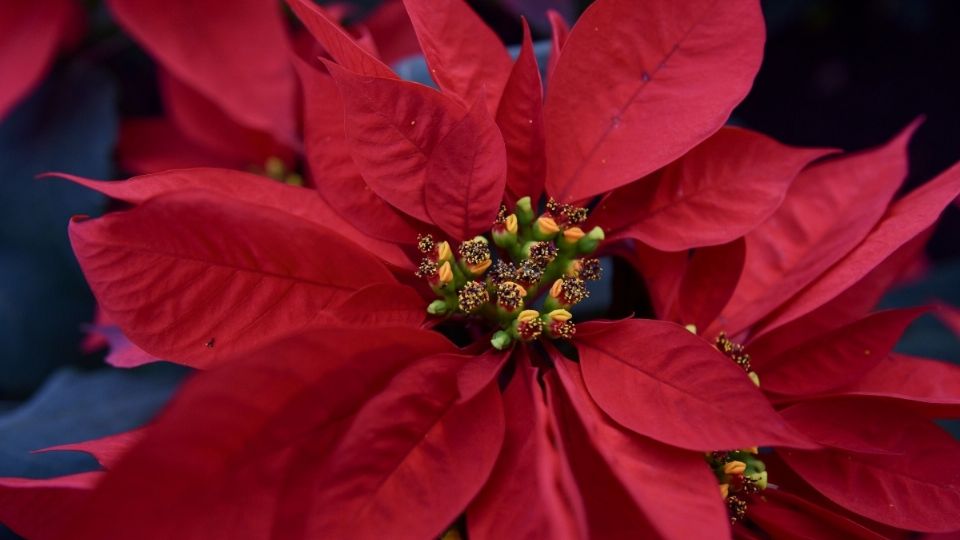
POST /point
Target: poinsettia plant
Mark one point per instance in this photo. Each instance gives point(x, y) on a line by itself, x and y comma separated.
point(396, 350)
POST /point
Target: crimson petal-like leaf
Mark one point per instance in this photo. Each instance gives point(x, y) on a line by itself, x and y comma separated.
point(466, 175)
point(412, 458)
point(42, 509)
point(928, 387)
point(531, 492)
point(341, 46)
point(333, 171)
point(465, 57)
point(828, 210)
point(224, 276)
point(520, 119)
point(248, 188)
point(154, 144)
point(716, 193)
point(838, 358)
point(559, 30)
point(708, 282)
point(30, 34)
point(610, 510)
point(204, 122)
point(788, 517)
point(905, 220)
point(661, 381)
point(106, 450)
point(682, 479)
point(250, 78)
point(218, 460)
point(917, 488)
point(410, 140)
point(391, 30)
point(849, 306)
point(638, 85)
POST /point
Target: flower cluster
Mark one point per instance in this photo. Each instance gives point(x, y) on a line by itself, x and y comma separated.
point(534, 255)
point(389, 349)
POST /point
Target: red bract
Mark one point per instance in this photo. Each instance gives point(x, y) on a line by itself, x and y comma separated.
point(329, 410)
point(32, 33)
point(230, 101)
point(810, 275)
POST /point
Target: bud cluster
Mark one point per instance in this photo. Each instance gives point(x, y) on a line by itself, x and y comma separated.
point(736, 352)
point(498, 281)
point(740, 474)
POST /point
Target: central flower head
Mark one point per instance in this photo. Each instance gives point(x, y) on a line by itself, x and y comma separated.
point(499, 283)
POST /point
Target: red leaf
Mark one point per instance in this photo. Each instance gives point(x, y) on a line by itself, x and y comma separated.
point(708, 282)
point(835, 424)
point(223, 276)
point(122, 353)
point(407, 138)
point(788, 517)
point(250, 79)
point(949, 316)
point(717, 192)
point(220, 460)
point(662, 273)
point(918, 489)
point(411, 459)
point(835, 359)
point(659, 380)
point(341, 46)
point(905, 220)
point(465, 57)
point(928, 387)
point(828, 210)
point(559, 30)
point(520, 119)
point(42, 509)
point(466, 175)
point(849, 306)
point(149, 145)
point(655, 475)
point(31, 34)
point(392, 31)
point(531, 492)
point(335, 175)
point(637, 87)
point(610, 510)
point(248, 188)
point(106, 450)
point(205, 123)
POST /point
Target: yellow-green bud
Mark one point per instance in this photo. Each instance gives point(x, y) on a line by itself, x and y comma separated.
point(590, 242)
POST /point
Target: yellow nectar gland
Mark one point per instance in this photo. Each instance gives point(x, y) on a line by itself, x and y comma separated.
point(529, 255)
point(740, 475)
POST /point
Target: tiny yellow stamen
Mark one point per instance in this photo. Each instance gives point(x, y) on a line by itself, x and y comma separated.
point(510, 223)
point(734, 467)
point(444, 253)
point(528, 315)
point(573, 234)
point(477, 269)
point(547, 226)
point(560, 315)
point(754, 378)
point(445, 273)
point(692, 328)
point(556, 288)
point(724, 490)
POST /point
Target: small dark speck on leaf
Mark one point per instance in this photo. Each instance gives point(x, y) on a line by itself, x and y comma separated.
point(645, 76)
point(211, 342)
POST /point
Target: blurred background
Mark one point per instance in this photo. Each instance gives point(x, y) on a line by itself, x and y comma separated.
point(842, 73)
